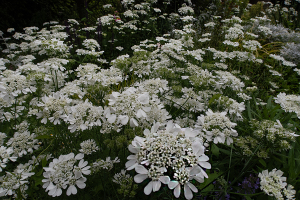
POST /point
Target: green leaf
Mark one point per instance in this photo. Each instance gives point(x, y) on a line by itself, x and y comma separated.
point(247, 197)
point(291, 162)
point(38, 180)
point(225, 151)
point(209, 180)
point(215, 150)
point(263, 162)
point(249, 110)
point(44, 162)
point(39, 173)
point(216, 96)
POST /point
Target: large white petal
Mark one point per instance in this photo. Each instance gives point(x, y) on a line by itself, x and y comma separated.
point(140, 113)
point(187, 192)
point(58, 192)
point(82, 163)
point(177, 191)
point(195, 170)
point(170, 126)
point(192, 187)
point(112, 118)
point(79, 156)
point(155, 127)
point(190, 133)
point(131, 157)
point(80, 183)
point(204, 164)
point(141, 169)
point(132, 149)
point(140, 178)
point(124, 119)
point(131, 164)
point(203, 158)
point(164, 179)
point(133, 122)
point(204, 173)
point(52, 192)
point(71, 189)
point(146, 109)
point(172, 184)
point(144, 98)
point(148, 188)
point(156, 185)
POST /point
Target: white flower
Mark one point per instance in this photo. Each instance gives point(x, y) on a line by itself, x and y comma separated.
point(153, 185)
point(217, 127)
point(88, 146)
point(63, 172)
point(167, 153)
point(273, 184)
point(188, 187)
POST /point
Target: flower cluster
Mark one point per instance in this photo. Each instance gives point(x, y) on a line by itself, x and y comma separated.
point(217, 127)
point(63, 172)
point(125, 181)
point(269, 136)
point(23, 143)
point(274, 133)
point(6, 155)
point(88, 147)
point(139, 109)
point(16, 183)
point(107, 164)
point(171, 149)
point(274, 184)
point(289, 103)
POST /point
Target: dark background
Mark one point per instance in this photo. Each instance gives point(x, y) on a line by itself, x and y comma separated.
point(24, 13)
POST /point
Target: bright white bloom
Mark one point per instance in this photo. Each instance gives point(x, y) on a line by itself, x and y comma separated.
point(209, 24)
point(184, 10)
point(83, 116)
point(157, 10)
point(73, 21)
point(107, 164)
point(274, 184)
point(106, 20)
point(217, 127)
point(234, 33)
point(107, 6)
point(88, 147)
point(289, 103)
point(91, 44)
point(119, 48)
point(12, 183)
point(187, 18)
point(251, 45)
point(244, 96)
point(228, 42)
point(135, 108)
point(265, 30)
point(9, 30)
point(23, 143)
point(5, 154)
point(53, 108)
point(275, 73)
point(171, 149)
point(63, 172)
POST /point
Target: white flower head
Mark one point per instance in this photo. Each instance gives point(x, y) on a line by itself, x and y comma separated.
point(165, 149)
